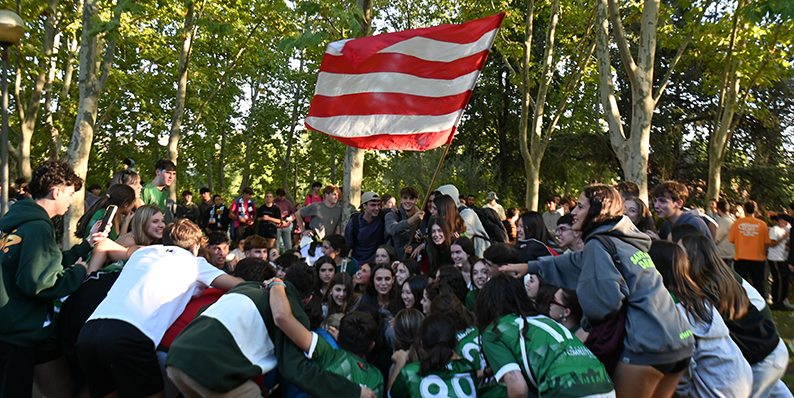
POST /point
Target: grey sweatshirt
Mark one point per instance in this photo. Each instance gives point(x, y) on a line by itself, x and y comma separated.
point(656, 333)
point(717, 369)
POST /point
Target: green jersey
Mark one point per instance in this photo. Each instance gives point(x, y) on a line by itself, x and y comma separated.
point(471, 298)
point(456, 381)
point(469, 348)
point(549, 356)
point(153, 196)
point(345, 364)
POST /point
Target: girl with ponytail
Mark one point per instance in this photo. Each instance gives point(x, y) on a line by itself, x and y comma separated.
point(119, 195)
point(441, 370)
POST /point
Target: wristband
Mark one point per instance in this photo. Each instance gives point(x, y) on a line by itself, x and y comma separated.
point(276, 283)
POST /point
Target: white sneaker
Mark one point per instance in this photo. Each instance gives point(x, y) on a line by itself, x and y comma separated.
point(788, 303)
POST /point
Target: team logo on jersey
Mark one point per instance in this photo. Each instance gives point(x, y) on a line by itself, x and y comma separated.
point(9, 239)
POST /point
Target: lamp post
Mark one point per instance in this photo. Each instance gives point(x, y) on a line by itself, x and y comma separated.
point(11, 30)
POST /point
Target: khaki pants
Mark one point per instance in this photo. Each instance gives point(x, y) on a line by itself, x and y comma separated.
point(191, 389)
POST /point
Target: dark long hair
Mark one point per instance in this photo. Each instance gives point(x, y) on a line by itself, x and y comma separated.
point(406, 328)
point(448, 211)
point(417, 285)
point(546, 292)
point(344, 279)
point(436, 252)
point(466, 244)
point(449, 305)
point(395, 303)
point(535, 228)
point(452, 276)
point(439, 341)
point(390, 251)
point(318, 287)
point(716, 280)
point(606, 206)
point(120, 195)
point(337, 242)
point(502, 295)
point(671, 261)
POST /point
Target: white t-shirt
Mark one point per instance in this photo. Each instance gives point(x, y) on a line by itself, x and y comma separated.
point(779, 252)
point(154, 288)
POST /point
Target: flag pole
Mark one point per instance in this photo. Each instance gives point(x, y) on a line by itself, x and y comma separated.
point(430, 189)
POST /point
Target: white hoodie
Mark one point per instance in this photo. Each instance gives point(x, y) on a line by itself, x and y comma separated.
point(717, 368)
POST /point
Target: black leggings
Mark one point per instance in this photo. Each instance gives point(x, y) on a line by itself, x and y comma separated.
point(779, 271)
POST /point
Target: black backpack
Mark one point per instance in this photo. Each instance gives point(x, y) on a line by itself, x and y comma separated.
point(492, 225)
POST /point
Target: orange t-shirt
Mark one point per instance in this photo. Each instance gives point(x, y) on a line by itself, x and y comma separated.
point(749, 235)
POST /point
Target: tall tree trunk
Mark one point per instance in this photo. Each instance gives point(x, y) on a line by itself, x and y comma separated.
point(313, 167)
point(354, 173)
point(503, 123)
point(181, 91)
point(54, 134)
point(526, 100)
point(247, 167)
point(354, 157)
point(221, 155)
point(28, 115)
point(210, 183)
point(538, 144)
point(56, 145)
point(533, 138)
point(286, 170)
point(91, 86)
point(726, 108)
point(632, 151)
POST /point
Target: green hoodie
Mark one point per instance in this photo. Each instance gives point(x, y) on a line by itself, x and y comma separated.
point(33, 273)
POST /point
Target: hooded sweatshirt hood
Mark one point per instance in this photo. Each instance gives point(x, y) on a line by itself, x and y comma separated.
point(24, 211)
point(624, 230)
point(451, 191)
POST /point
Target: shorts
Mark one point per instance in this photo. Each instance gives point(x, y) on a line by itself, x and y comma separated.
point(675, 367)
point(116, 356)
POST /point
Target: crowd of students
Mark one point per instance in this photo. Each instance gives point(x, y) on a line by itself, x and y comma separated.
point(449, 300)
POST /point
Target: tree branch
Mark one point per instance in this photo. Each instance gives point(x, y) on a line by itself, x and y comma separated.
point(107, 60)
point(225, 76)
point(679, 53)
point(620, 40)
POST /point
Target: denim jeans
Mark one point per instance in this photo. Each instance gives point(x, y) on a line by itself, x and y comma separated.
point(284, 235)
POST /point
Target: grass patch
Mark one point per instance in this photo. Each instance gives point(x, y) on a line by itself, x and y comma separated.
point(785, 327)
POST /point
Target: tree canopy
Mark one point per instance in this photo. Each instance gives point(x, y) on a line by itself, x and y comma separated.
point(720, 79)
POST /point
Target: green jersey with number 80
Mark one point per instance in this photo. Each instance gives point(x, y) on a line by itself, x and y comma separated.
point(456, 381)
point(549, 356)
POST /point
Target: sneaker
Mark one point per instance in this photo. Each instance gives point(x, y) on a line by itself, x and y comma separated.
point(788, 303)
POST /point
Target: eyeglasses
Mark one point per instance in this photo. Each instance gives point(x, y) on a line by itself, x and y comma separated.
point(555, 302)
point(563, 229)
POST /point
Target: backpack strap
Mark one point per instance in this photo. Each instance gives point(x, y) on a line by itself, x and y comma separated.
point(609, 245)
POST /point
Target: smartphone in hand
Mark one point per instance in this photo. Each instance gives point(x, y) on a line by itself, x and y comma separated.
point(110, 212)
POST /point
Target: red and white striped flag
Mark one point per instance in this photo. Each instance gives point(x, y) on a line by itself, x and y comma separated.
point(400, 91)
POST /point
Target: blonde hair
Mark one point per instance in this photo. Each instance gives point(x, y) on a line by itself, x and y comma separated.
point(140, 224)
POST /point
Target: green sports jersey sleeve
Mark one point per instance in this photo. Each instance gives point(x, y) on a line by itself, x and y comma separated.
point(501, 357)
point(550, 357)
point(469, 348)
point(345, 364)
